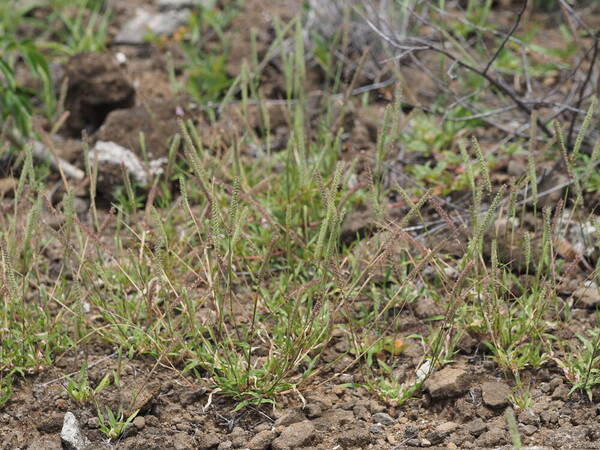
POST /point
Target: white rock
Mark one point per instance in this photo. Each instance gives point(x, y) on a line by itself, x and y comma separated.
point(111, 155)
point(423, 370)
point(71, 435)
point(182, 4)
point(121, 57)
point(145, 22)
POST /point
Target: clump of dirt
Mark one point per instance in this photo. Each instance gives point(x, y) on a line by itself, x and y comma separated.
point(96, 86)
point(155, 118)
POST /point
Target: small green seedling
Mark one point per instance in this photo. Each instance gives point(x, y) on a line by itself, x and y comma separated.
point(5, 389)
point(582, 368)
point(80, 390)
point(113, 425)
point(521, 397)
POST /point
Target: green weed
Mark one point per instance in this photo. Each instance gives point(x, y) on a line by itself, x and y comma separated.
point(113, 425)
point(83, 26)
point(582, 365)
point(79, 388)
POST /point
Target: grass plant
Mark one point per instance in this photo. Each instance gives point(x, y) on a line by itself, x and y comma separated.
point(240, 276)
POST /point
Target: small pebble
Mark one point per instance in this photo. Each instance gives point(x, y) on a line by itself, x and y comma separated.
point(338, 390)
point(226, 445)
point(181, 426)
point(313, 410)
point(383, 418)
point(139, 422)
point(93, 422)
point(376, 429)
point(152, 420)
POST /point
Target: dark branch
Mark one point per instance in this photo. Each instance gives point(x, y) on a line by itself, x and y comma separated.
point(506, 38)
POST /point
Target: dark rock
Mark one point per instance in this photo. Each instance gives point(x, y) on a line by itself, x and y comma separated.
point(97, 86)
point(294, 436)
point(492, 438)
point(262, 440)
point(561, 392)
point(549, 416)
point(528, 417)
point(332, 419)
point(383, 418)
point(448, 382)
point(476, 427)
point(355, 437)
point(208, 441)
point(440, 433)
point(495, 394)
point(313, 410)
point(51, 424)
point(527, 430)
point(238, 437)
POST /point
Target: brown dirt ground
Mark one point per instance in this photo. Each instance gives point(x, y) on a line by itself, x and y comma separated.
point(179, 412)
